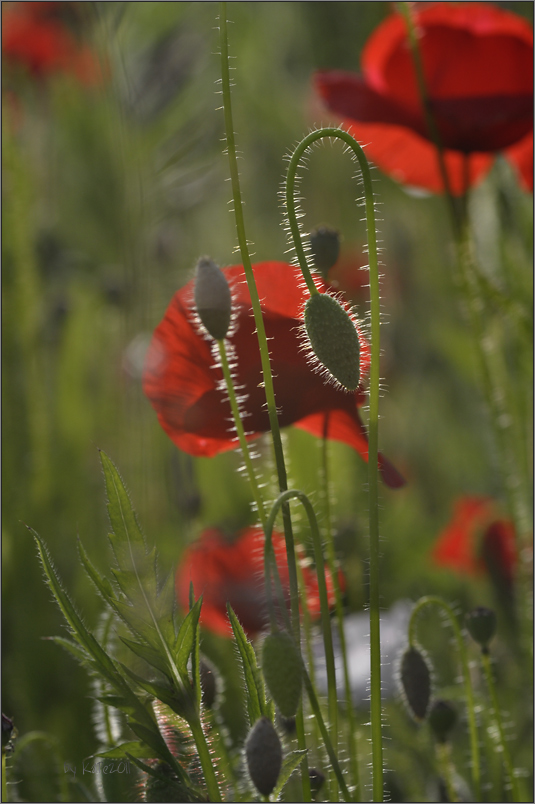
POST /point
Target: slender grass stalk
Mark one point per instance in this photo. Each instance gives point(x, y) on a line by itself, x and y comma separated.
point(502, 742)
point(443, 753)
point(470, 704)
point(373, 420)
point(265, 363)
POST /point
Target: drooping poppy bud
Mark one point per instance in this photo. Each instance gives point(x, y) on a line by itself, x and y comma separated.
point(416, 682)
point(325, 248)
point(442, 718)
point(264, 755)
point(212, 298)
point(481, 624)
point(334, 339)
point(282, 668)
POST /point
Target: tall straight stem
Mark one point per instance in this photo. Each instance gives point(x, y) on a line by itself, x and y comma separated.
point(265, 363)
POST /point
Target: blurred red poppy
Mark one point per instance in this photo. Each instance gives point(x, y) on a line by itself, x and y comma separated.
point(477, 540)
point(36, 38)
point(478, 67)
point(183, 380)
point(233, 572)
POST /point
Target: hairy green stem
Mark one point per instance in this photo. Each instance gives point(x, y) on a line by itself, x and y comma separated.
point(331, 563)
point(240, 431)
point(470, 704)
point(373, 421)
point(265, 363)
point(502, 742)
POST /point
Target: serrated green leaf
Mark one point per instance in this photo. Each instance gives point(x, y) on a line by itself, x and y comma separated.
point(74, 649)
point(256, 696)
point(132, 748)
point(148, 653)
point(185, 639)
point(163, 692)
point(290, 763)
point(127, 538)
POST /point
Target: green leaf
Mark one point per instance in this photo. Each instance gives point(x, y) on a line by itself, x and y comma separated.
point(165, 693)
point(256, 696)
point(289, 765)
point(132, 748)
point(148, 653)
point(74, 649)
point(127, 538)
point(185, 640)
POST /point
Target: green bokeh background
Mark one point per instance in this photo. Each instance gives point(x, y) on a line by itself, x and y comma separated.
point(109, 197)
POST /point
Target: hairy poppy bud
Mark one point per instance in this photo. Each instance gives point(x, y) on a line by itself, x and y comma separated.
point(212, 298)
point(208, 683)
point(317, 780)
point(264, 755)
point(442, 718)
point(481, 624)
point(283, 672)
point(416, 682)
point(325, 248)
point(334, 338)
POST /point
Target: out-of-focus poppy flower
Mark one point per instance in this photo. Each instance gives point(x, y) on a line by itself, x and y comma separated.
point(36, 38)
point(477, 540)
point(478, 69)
point(233, 572)
point(184, 382)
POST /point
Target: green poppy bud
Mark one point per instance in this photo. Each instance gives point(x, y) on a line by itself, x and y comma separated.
point(325, 249)
point(442, 718)
point(212, 298)
point(481, 624)
point(416, 682)
point(334, 339)
point(283, 671)
point(317, 780)
point(264, 755)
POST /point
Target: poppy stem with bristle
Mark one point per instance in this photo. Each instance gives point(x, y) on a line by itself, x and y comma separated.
point(431, 600)
point(265, 362)
point(373, 421)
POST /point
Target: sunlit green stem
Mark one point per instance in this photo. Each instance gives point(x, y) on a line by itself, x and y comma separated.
point(265, 362)
point(205, 759)
point(324, 598)
point(331, 563)
point(502, 742)
point(443, 752)
point(373, 422)
point(470, 704)
point(240, 431)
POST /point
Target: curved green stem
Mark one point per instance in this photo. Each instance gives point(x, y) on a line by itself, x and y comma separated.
point(470, 704)
point(443, 753)
point(504, 750)
point(373, 421)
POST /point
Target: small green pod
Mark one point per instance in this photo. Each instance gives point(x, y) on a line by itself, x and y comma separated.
point(263, 753)
point(334, 339)
point(481, 623)
point(325, 249)
point(283, 671)
point(416, 682)
point(442, 718)
point(213, 301)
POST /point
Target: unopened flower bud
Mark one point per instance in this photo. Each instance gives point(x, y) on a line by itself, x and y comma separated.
point(212, 298)
point(481, 624)
point(442, 718)
point(317, 780)
point(264, 755)
point(283, 672)
point(325, 248)
point(416, 682)
point(334, 338)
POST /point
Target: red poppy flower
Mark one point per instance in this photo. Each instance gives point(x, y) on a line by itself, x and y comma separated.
point(233, 572)
point(35, 37)
point(478, 67)
point(477, 540)
point(183, 380)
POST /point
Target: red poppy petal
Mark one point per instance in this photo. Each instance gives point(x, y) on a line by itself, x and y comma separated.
point(455, 546)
